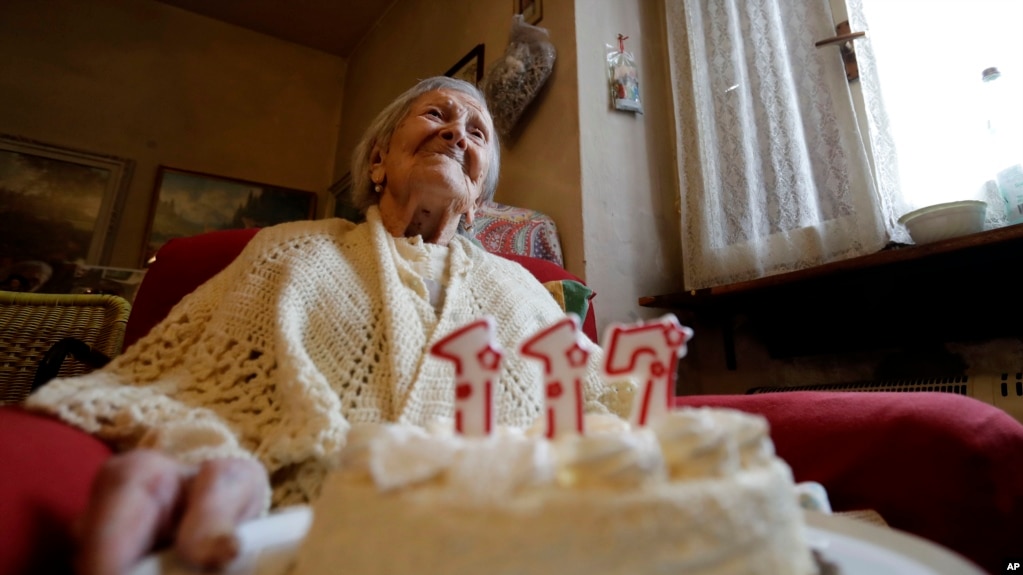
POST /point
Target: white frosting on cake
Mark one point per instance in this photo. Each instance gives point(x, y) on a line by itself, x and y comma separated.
point(701, 491)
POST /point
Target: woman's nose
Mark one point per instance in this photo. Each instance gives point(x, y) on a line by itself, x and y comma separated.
point(455, 133)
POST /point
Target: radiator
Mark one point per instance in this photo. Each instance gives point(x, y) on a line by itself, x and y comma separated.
point(1002, 390)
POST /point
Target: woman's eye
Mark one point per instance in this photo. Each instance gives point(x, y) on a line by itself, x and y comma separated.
point(434, 113)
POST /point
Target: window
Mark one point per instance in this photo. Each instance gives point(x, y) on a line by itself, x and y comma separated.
point(930, 55)
point(784, 165)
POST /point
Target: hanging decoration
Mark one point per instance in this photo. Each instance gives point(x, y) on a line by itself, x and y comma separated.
point(623, 76)
point(512, 82)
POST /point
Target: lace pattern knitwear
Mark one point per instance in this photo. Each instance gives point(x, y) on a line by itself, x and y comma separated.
point(315, 326)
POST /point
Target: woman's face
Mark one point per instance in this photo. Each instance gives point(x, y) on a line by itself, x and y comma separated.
point(433, 170)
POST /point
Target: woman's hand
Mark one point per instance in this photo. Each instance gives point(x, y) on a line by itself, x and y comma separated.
point(143, 498)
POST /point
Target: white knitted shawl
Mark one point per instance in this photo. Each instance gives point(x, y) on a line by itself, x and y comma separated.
point(314, 326)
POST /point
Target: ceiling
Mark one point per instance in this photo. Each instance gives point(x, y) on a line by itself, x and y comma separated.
point(332, 26)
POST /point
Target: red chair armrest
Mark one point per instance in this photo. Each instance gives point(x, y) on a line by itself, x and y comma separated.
point(945, 467)
point(45, 477)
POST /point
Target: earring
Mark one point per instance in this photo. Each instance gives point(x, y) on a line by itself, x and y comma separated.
point(378, 188)
point(469, 227)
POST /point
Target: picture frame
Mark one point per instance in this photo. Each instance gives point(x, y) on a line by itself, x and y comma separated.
point(470, 67)
point(341, 192)
point(62, 205)
point(531, 10)
point(187, 202)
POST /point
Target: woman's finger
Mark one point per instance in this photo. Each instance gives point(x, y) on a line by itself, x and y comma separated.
point(131, 507)
point(223, 494)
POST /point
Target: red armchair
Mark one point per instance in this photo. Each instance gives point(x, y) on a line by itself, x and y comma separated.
point(944, 467)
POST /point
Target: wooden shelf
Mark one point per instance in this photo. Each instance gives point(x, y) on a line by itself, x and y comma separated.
point(958, 289)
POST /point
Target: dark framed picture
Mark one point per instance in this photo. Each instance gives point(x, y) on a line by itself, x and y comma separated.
point(58, 206)
point(531, 10)
point(470, 67)
point(187, 203)
point(341, 192)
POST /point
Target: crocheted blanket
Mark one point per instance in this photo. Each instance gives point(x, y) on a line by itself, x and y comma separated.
point(314, 326)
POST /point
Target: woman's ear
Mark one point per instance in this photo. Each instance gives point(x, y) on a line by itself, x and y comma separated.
point(377, 173)
point(476, 206)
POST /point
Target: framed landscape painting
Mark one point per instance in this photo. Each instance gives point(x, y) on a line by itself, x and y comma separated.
point(58, 206)
point(187, 203)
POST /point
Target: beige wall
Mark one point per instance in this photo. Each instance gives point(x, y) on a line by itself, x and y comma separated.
point(141, 80)
point(628, 166)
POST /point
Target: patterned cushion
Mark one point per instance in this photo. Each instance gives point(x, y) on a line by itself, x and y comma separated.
point(506, 229)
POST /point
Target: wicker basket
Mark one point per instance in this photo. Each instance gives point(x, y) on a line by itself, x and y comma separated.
point(31, 323)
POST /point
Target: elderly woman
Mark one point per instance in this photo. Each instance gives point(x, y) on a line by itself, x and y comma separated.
point(244, 393)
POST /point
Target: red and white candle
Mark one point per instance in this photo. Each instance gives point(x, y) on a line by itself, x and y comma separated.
point(474, 350)
point(564, 352)
point(647, 352)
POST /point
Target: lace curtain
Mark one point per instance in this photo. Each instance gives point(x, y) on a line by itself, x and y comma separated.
point(773, 173)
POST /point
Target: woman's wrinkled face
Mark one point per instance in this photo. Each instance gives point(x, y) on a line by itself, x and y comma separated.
point(434, 167)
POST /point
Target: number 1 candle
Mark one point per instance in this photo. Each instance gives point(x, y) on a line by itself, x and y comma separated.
point(564, 352)
point(477, 357)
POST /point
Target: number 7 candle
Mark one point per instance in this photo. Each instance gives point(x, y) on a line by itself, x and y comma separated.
point(647, 352)
point(477, 358)
point(564, 352)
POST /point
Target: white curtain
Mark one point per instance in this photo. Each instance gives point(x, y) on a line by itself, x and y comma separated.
point(772, 170)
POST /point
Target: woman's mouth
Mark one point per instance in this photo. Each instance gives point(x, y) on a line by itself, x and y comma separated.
point(454, 155)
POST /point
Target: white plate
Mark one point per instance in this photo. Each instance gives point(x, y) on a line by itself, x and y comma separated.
point(267, 547)
point(861, 548)
point(857, 547)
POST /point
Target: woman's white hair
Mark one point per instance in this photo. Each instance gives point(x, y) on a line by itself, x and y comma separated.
point(382, 128)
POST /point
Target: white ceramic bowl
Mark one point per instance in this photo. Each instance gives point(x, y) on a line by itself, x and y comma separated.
point(943, 221)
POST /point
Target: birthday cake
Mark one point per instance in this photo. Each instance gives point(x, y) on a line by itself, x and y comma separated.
point(672, 491)
point(699, 491)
